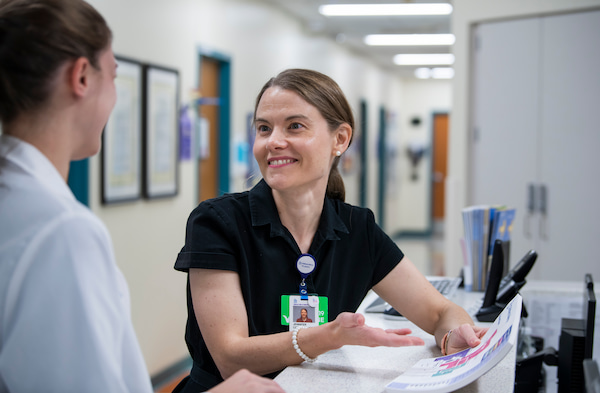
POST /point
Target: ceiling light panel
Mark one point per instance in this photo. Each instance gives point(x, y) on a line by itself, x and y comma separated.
point(409, 39)
point(424, 59)
point(385, 9)
point(435, 73)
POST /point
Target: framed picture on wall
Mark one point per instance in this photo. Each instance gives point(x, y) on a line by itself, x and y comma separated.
point(161, 92)
point(121, 155)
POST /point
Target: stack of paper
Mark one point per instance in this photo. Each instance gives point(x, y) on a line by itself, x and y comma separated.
point(483, 225)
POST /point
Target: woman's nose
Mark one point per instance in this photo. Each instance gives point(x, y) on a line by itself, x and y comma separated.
point(276, 139)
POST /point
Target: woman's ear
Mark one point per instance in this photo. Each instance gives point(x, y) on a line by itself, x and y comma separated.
point(343, 137)
point(80, 76)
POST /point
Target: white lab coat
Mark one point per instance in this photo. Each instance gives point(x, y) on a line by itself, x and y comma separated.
point(65, 323)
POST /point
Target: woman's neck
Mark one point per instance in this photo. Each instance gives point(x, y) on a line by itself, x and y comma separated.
point(46, 134)
point(300, 213)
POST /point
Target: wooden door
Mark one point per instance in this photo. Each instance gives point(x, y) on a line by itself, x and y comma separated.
point(208, 168)
point(440, 159)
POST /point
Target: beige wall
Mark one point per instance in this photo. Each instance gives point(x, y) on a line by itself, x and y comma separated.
point(466, 14)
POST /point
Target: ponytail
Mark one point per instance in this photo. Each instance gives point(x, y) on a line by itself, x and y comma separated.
point(335, 183)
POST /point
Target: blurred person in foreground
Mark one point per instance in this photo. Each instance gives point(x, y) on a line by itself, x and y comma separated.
point(65, 323)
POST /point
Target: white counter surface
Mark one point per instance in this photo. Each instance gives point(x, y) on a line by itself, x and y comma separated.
point(365, 370)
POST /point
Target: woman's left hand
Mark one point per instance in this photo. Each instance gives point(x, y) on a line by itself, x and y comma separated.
point(463, 337)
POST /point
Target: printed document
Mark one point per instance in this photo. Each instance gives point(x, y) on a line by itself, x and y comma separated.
point(451, 372)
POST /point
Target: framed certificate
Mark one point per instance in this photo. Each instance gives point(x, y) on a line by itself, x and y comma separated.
point(161, 88)
point(122, 138)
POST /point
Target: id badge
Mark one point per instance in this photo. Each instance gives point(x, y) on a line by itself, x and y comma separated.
point(296, 312)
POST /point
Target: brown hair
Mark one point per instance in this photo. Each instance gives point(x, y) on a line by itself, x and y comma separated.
point(36, 38)
point(323, 93)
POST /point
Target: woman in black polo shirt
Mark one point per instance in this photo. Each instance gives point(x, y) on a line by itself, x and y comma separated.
point(291, 242)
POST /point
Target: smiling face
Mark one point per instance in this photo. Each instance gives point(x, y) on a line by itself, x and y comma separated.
point(294, 147)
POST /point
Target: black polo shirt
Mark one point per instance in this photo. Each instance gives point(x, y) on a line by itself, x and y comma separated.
point(242, 232)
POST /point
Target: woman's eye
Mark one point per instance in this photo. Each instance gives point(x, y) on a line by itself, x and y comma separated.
point(262, 128)
point(295, 126)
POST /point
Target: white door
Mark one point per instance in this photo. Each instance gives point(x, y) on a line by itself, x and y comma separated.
point(504, 130)
point(536, 96)
point(570, 163)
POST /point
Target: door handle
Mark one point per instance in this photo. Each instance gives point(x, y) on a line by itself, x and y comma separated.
point(530, 209)
point(543, 201)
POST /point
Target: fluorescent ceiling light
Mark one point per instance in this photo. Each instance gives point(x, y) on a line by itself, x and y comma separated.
point(435, 73)
point(423, 73)
point(409, 39)
point(424, 59)
point(442, 73)
point(385, 9)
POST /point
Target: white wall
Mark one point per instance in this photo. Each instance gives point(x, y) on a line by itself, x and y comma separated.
point(261, 42)
point(466, 14)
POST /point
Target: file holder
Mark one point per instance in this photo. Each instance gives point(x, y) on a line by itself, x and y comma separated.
point(490, 308)
point(499, 293)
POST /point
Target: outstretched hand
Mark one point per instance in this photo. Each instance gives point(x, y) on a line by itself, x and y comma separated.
point(465, 336)
point(351, 330)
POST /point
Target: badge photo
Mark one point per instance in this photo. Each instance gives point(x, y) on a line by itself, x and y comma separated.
point(296, 312)
point(304, 312)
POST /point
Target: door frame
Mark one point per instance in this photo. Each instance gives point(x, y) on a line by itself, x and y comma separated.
point(224, 115)
point(363, 153)
point(382, 173)
point(79, 180)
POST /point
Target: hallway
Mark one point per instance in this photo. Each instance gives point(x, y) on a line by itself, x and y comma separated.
point(426, 252)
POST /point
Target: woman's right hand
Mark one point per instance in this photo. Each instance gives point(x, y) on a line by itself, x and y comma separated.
point(350, 329)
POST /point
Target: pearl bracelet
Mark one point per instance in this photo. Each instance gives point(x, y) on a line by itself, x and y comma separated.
point(297, 348)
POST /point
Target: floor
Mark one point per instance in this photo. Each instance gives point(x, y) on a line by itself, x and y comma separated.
point(169, 386)
point(426, 252)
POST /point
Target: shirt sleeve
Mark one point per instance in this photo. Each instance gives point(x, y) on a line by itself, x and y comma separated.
point(70, 328)
point(209, 240)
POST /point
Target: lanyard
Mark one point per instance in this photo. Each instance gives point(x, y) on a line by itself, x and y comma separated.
point(305, 264)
